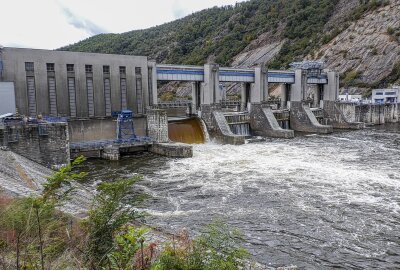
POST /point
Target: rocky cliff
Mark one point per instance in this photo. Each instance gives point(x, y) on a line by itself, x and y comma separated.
point(369, 48)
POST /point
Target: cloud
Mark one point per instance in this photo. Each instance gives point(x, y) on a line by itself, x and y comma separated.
point(13, 44)
point(177, 10)
point(81, 23)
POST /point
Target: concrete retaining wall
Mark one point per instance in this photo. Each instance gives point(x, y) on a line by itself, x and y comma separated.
point(157, 125)
point(263, 123)
point(100, 129)
point(48, 147)
point(375, 114)
point(338, 119)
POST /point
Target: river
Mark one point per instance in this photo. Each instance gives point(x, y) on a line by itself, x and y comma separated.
point(315, 201)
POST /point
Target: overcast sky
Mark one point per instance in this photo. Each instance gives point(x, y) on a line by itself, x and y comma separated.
point(50, 24)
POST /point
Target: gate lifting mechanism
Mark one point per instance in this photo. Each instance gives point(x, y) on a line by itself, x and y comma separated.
point(125, 130)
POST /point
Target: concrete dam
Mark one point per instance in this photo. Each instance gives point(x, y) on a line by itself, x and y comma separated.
point(70, 103)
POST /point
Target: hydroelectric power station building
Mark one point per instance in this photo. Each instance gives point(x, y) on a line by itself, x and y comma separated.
point(76, 85)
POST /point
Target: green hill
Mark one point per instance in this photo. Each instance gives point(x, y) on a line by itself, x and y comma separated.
point(219, 34)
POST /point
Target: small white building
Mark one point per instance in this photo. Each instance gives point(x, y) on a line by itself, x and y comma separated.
point(388, 95)
point(350, 98)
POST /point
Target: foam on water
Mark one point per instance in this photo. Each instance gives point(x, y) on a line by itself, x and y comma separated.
point(317, 201)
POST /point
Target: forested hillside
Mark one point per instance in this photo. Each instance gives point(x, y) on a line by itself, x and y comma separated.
point(272, 32)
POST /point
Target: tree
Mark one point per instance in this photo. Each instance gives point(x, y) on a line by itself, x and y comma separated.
point(110, 211)
point(34, 219)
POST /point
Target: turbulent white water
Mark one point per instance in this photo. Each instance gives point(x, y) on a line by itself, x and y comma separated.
point(319, 202)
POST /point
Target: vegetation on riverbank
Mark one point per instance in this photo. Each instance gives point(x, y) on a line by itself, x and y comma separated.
point(36, 235)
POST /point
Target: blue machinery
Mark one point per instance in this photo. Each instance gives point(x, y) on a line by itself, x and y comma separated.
point(125, 130)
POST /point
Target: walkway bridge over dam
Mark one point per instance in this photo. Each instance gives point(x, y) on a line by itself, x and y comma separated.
point(294, 111)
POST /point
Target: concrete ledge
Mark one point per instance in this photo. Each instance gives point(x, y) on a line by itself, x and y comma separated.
point(264, 123)
point(174, 150)
point(111, 153)
point(356, 125)
point(303, 119)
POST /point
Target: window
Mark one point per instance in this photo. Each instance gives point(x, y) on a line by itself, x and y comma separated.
point(29, 66)
point(122, 70)
point(88, 68)
point(379, 93)
point(50, 67)
point(106, 69)
point(138, 70)
point(390, 93)
point(70, 67)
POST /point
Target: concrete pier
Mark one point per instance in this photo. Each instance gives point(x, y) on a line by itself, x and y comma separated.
point(173, 150)
point(303, 119)
point(222, 132)
point(264, 123)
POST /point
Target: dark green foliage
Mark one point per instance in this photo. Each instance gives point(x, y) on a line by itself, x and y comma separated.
point(126, 244)
point(390, 30)
point(366, 6)
point(394, 76)
point(62, 179)
point(350, 78)
point(216, 248)
point(111, 211)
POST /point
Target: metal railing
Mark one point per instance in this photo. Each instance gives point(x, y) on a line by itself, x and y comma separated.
point(318, 113)
point(174, 104)
point(230, 104)
point(282, 115)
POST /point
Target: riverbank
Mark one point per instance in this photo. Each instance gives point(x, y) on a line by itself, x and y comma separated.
point(21, 177)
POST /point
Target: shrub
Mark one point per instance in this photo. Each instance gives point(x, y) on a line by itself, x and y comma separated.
point(167, 96)
point(390, 30)
point(111, 210)
point(217, 248)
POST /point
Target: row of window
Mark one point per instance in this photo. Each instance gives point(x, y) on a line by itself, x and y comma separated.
point(71, 88)
point(386, 93)
point(29, 66)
